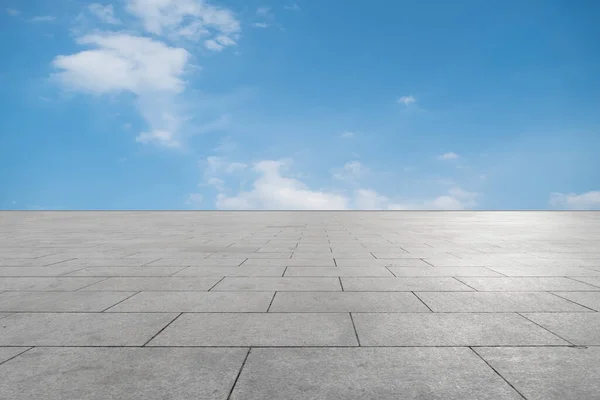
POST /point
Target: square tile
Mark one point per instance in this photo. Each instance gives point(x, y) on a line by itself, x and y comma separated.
point(79, 329)
point(407, 284)
point(442, 271)
point(60, 301)
point(270, 284)
point(195, 302)
point(338, 271)
point(369, 373)
point(259, 329)
point(346, 302)
point(497, 302)
point(231, 271)
point(581, 329)
point(97, 373)
point(439, 329)
point(548, 373)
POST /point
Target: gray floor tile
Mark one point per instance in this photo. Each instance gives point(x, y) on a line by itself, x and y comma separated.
point(347, 302)
point(526, 284)
point(271, 284)
point(206, 262)
point(471, 262)
point(497, 302)
point(551, 373)
point(164, 284)
point(6, 353)
point(353, 262)
point(231, 271)
point(545, 271)
point(126, 271)
point(442, 271)
point(105, 262)
point(338, 271)
point(195, 302)
point(407, 284)
point(440, 329)
point(36, 271)
point(79, 329)
point(590, 280)
point(588, 299)
point(304, 262)
point(45, 284)
point(258, 329)
point(375, 373)
point(577, 328)
point(60, 301)
point(121, 373)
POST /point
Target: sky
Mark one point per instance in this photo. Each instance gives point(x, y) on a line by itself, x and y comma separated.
point(307, 104)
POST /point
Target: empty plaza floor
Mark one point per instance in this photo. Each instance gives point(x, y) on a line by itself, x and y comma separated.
point(299, 305)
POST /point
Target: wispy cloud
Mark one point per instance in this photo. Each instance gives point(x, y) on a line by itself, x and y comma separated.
point(260, 25)
point(351, 171)
point(43, 18)
point(13, 12)
point(104, 13)
point(263, 11)
point(449, 156)
point(406, 100)
point(573, 201)
point(292, 7)
point(347, 135)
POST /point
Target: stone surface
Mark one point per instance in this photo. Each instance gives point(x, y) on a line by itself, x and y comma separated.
point(262, 284)
point(578, 328)
point(417, 289)
point(81, 329)
point(195, 302)
point(369, 373)
point(347, 302)
point(147, 284)
point(121, 373)
point(551, 373)
point(60, 301)
point(258, 329)
point(436, 284)
point(463, 329)
point(496, 302)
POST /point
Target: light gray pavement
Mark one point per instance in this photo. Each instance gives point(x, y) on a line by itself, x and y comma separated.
point(299, 305)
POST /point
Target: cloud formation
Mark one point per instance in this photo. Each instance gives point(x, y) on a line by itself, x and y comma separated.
point(573, 201)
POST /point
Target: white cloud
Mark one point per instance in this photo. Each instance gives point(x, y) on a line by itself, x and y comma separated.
point(122, 62)
point(260, 25)
point(104, 13)
point(572, 201)
point(162, 138)
point(190, 19)
point(406, 100)
point(12, 12)
point(263, 11)
point(275, 192)
point(292, 7)
point(449, 156)
point(43, 18)
point(350, 171)
point(347, 135)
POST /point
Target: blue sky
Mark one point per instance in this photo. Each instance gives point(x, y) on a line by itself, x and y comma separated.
point(190, 104)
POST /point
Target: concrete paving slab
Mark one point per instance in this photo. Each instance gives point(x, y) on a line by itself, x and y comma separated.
point(497, 302)
point(440, 329)
point(126, 271)
point(354, 262)
point(338, 271)
point(231, 271)
point(590, 280)
point(213, 262)
point(284, 262)
point(195, 302)
point(445, 271)
point(148, 284)
point(369, 373)
point(545, 271)
point(526, 284)
point(404, 284)
point(272, 284)
point(581, 329)
point(347, 302)
point(106, 262)
point(45, 284)
point(6, 353)
point(259, 329)
point(29, 262)
point(60, 301)
point(81, 329)
point(36, 271)
point(121, 373)
point(587, 299)
point(548, 373)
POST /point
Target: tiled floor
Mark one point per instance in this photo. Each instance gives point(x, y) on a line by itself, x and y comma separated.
point(299, 305)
